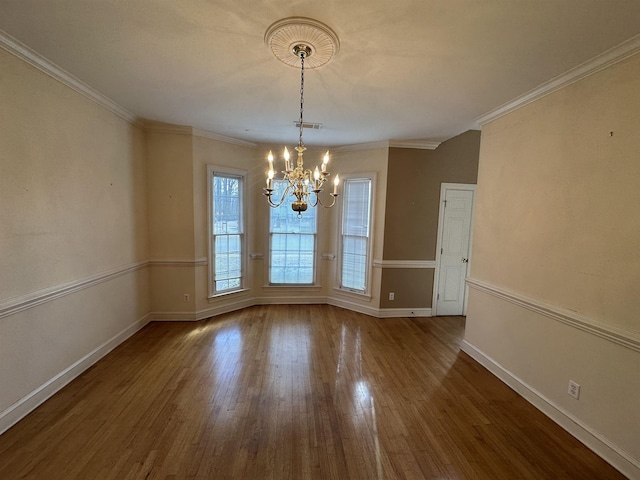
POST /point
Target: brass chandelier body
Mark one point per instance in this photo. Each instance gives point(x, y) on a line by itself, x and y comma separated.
point(304, 184)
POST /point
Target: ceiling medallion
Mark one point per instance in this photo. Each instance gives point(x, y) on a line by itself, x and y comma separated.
point(284, 35)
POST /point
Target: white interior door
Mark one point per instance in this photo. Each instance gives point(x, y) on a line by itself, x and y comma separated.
point(454, 247)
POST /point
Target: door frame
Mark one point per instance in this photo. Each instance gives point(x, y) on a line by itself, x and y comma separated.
point(436, 277)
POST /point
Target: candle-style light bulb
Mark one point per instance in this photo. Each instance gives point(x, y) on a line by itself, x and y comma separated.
point(270, 178)
point(270, 159)
point(316, 174)
point(336, 181)
point(287, 167)
point(325, 160)
point(270, 171)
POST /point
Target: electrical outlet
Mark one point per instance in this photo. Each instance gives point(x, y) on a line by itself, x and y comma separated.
point(186, 297)
point(392, 296)
point(574, 389)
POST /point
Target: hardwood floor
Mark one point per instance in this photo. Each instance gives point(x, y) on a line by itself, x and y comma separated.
point(293, 392)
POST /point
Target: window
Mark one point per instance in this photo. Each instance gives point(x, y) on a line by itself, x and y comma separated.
point(226, 232)
point(355, 234)
point(292, 242)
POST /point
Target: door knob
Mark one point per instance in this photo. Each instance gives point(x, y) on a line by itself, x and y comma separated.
point(465, 260)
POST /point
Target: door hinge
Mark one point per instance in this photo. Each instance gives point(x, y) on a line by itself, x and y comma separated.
point(445, 203)
point(441, 251)
point(438, 298)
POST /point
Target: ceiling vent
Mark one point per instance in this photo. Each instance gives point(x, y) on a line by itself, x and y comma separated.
point(313, 126)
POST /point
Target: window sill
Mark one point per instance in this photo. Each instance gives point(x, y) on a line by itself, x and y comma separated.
point(217, 296)
point(292, 286)
point(354, 294)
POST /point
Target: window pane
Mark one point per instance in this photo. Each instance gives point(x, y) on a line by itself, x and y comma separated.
point(285, 220)
point(227, 231)
point(292, 256)
point(355, 233)
point(355, 218)
point(226, 205)
point(354, 260)
point(227, 257)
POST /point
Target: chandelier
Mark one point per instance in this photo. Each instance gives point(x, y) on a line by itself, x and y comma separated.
point(301, 38)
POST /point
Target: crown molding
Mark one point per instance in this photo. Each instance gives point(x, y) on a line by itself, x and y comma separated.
point(223, 138)
point(20, 50)
point(418, 144)
point(604, 60)
point(362, 146)
point(160, 127)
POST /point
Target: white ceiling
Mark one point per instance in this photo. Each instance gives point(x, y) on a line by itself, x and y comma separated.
point(406, 69)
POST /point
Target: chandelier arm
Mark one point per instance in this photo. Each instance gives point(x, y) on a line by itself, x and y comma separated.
point(284, 195)
point(319, 200)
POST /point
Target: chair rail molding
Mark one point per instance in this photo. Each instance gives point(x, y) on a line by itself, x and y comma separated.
point(404, 263)
point(621, 337)
point(30, 300)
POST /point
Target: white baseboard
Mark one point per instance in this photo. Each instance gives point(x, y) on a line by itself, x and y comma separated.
point(602, 447)
point(289, 300)
point(225, 308)
point(33, 400)
point(356, 307)
point(404, 312)
point(173, 316)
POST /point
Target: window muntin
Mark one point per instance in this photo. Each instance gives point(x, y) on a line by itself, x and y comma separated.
point(355, 234)
point(227, 232)
point(292, 253)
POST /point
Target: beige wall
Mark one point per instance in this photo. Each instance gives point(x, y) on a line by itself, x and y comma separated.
point(346, 161)
point(223, 154)
point(177, 159)
point(206, 151)
point(73, 230)
point(557, 225)
point(411, 219)
point(413, 191)
point(177, 164)
point(171, 222)
point(170, 193)
point(410, 287)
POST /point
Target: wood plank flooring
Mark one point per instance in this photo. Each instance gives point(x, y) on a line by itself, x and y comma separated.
point(293, 392)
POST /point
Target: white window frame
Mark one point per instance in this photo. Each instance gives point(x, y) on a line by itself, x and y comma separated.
point(315, 252)
point(372, 177)
point(242, 174)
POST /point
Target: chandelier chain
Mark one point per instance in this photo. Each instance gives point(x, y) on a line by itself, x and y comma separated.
point(303, 184)
point(302, 55)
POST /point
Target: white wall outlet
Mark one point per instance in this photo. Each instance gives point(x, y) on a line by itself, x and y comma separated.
point(574, 389)
point(186, 297)
point(392, 296)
